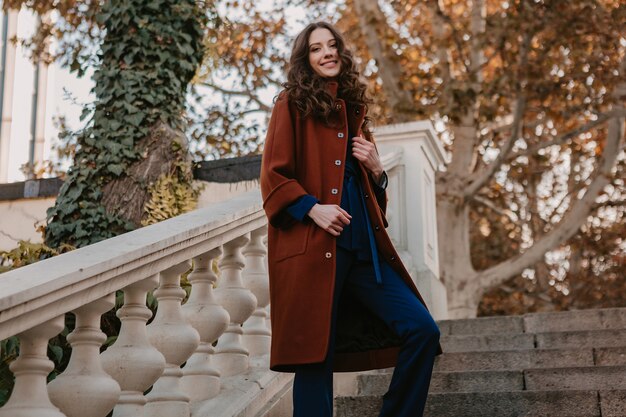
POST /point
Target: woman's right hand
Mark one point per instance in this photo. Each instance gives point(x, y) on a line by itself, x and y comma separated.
point(330, 217)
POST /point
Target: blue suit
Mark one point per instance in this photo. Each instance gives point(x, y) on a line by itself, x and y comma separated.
point(372, 282)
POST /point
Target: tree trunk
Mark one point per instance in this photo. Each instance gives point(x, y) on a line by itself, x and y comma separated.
point(127, 196)
point(457, 272)
point(374, 29)
point(136, 131)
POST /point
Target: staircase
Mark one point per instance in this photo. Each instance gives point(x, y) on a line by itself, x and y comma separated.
point(540, 364)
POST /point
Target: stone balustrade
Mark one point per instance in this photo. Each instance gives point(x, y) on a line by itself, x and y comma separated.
point(170, 365)
point(173, 356)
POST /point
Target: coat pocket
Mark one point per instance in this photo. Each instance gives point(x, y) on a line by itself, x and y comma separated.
point(292, 241)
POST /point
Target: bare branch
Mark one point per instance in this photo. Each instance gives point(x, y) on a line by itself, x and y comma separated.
point(273, 81)
point(249, 111)
point(480, 178)
point(477, 27)
point(243, 93)
point(503, 212)
point(506, 122)
point(497, 50)
point(610, 203)
point(561, 139)
point(444, 18)
point(572, 220)
point(372, 17)
point(477, 181)
point(253, 96)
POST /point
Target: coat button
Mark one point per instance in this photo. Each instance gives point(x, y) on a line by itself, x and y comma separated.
point(338, 106)
point(366, 196)
point(357, 111)
point(339, 135)
point(334, 191)
point(393, 258)
point(337, 162)
point(329, 255)
point(377, 227)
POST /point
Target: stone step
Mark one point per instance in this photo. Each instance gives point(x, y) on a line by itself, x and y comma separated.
point(578, 378)
point(475, 381)
point(592, 319)
point(530, 358)
point(608, 403)
point(575, 378)
point(482, 325)
point(562, 339)
point(582, 338)
point(487, 342)
point(610, 356)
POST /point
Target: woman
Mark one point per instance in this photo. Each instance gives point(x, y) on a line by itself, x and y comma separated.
point(341, 298)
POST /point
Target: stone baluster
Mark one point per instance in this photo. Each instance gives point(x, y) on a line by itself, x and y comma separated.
point(200, 379)
point(176, 339)
point(231, 357)
point(132, 361)
point(256, 333)
point(84, 389)
point(30, 394)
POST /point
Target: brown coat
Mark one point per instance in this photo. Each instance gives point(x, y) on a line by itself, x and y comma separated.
point(300, 158)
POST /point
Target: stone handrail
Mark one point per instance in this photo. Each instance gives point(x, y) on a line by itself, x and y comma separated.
point(35, 298)
point(42, 291)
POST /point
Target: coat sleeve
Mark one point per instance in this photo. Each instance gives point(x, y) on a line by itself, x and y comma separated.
point(279, 186)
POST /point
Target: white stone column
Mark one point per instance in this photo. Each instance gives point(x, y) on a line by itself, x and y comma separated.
point(30, 394)
point(42, 95)
point(417, 154)
point(132, 361)
point(7, 99)
point(84, 389)
point(201, 380)
point(176, 340)
point(256, 333)
point(231, 357)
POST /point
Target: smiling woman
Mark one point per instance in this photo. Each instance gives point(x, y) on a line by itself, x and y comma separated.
point(341, 298)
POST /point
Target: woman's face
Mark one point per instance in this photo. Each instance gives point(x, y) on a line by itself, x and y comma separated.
point(323, 55)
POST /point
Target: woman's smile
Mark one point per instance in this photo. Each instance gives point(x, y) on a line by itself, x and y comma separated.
point(323, 54)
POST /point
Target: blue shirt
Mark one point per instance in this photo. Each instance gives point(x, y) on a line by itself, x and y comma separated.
point(356, 236)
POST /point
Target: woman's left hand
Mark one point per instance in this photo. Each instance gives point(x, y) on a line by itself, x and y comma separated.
point(365, 152)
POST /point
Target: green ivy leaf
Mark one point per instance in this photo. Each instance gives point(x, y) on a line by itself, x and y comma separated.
point(116, 169)
point(57, 353)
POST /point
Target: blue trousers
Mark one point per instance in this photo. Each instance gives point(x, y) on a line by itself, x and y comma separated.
point(401, 310)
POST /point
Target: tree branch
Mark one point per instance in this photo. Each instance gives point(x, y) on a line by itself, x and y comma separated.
point(616, 203)
point(273, 81)
point(480, 178)
point(503, 212)
point(477, 28)
point(444, 18)
point(561, 139)
point(370, 18)
point(245, 93)
point(571, 221)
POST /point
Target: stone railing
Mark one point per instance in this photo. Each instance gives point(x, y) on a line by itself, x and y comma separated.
point(35, 298)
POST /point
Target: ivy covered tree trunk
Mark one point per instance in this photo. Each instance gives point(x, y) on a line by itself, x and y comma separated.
point(133, 147)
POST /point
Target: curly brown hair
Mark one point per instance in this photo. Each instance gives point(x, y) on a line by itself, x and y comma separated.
point(306, 89)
